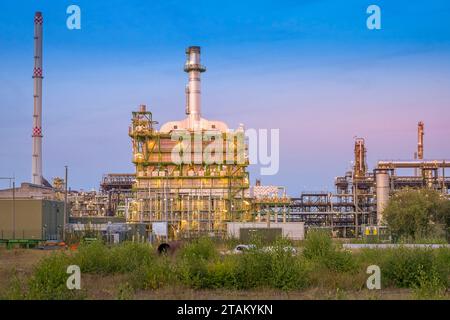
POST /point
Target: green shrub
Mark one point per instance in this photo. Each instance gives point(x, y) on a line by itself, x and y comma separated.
point(253, 269)
point(340, 261)
point(96, 257)
point(221, 274)
point(129, 256)
point(429, 286)
point(406, 268)
point(193, 260)
point(202, 248)
point(442, 264)
point(192, 272)
point(153, 275)
point(92, 258)
point(287, 271)
point(257, 268)
point(318, 244)
point(48, 281)
point(319, 248)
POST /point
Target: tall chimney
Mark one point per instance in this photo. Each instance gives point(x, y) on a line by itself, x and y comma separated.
point(193, 68)
point(420, 140)
point(37, 114)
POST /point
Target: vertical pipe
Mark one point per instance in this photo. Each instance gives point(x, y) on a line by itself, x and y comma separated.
point(14, 210)
point(37, 115)
point(420, 133)
point(65, 203)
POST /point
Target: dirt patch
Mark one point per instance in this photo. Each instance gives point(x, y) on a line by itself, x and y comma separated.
point(266, 294)
point(19, 262)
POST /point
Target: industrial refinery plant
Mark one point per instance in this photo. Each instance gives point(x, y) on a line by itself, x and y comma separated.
point(166, 198)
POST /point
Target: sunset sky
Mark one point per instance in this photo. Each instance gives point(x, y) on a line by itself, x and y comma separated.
point(309, 68)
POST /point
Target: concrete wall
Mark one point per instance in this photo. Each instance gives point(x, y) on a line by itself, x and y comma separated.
point(33, 219)
point(291, 230)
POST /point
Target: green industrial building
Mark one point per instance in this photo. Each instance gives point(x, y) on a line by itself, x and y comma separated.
point(31, 219)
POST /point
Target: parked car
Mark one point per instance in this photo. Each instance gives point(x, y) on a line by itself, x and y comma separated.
point(240, 248)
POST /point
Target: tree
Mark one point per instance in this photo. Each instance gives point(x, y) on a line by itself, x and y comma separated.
point(418, 213)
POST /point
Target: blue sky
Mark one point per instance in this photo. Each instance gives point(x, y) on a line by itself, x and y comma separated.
point(310, 68)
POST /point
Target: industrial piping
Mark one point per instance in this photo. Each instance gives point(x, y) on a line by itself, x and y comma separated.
point(36, 168)
point(427, 164)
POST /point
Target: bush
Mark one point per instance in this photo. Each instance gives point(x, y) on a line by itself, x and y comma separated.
point(318, 244)
point(429, 286)
point(442, 264)
point(193, 260)
point(96, 257)
point(222, 274)
point(198, 265)
point(49, 280)
point(253, 269)
point(130, 256)
point(277, 268)
point(154, 275)
point(408, 268)
point(202, 248)
point(319, 248)
point(287, 271)
point(92, 258)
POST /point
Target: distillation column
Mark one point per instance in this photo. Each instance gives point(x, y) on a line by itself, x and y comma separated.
point(36, 168)
point(360, 166)
point(420, 133)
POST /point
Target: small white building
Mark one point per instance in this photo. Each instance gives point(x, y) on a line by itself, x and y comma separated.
point(290, 230)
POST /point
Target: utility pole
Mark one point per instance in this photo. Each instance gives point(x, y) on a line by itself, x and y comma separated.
point(14, 208)
point(65, 203)
point(166, 199)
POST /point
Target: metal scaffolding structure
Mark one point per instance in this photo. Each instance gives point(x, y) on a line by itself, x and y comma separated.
point(193, 198)
point(119, 190)
point(176, 181)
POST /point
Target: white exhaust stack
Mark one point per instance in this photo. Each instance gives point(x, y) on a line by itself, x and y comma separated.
point(193, 68)
point(37, 115)
point(194, 120)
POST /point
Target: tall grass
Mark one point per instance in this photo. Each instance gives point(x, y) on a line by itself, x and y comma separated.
point(320, 249)
point(96, 257)
point(199, 265)
point(48, 281)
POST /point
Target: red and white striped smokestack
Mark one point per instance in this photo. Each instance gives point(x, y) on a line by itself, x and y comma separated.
point(37, 115)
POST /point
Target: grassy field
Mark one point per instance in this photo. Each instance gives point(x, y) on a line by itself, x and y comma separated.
point(200, 270)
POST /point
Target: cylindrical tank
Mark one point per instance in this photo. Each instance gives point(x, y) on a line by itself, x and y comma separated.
point(383, 188)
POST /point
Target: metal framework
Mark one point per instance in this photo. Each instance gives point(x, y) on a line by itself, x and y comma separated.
point(193, 197)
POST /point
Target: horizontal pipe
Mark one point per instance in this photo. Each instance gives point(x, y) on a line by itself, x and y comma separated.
point(414, 164)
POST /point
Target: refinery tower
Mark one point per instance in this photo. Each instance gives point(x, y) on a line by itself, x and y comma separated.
point(191, 173)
